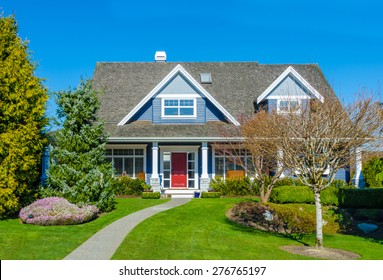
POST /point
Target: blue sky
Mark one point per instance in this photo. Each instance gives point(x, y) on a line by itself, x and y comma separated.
point(68, 37)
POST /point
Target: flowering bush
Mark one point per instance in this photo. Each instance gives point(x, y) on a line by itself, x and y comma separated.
point(56, 211)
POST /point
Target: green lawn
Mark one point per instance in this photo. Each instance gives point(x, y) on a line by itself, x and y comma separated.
point(199, 230)
point(30, 242)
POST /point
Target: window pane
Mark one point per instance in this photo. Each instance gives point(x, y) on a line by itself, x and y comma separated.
point(128, 166)
point(118, 152)
point(117, 164)
point(219, 168)
point(191, 174)
point(191, 184)
point(166, 183)
point(171, 111)
point(139, 152)
point(128, 152)
point(283, 105)
point(166, 174)
point(190, 165)
point(191, 156)
point(166, 165)
point(108, 152)
point(187, 102)
point(186, 111)
point(139, 165)
point(294, 105)
point(171, 102)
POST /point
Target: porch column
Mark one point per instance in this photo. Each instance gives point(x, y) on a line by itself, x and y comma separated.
point(204, 180)
point(154, 179)
point(358, 180)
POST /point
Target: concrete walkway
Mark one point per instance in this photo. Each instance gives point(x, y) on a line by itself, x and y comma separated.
point(105, 242)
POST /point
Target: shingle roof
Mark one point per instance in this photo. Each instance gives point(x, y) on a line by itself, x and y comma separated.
point(235, 85)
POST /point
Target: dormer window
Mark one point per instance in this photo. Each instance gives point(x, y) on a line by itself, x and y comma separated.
point(289, 106)
point(179, 108)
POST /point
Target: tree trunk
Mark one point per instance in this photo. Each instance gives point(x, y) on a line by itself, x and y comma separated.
point(319, 221)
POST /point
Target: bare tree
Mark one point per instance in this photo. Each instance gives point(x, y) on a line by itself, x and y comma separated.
point(257, 136)
point(317, 140)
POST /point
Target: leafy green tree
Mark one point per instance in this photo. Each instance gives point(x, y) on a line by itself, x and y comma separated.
point(78, 169)
point(22, 106)
point(373, 173)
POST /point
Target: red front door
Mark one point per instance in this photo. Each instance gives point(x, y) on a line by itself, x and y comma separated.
point(179, 169)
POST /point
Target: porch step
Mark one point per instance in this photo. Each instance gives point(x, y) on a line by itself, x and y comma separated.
point(180, 193)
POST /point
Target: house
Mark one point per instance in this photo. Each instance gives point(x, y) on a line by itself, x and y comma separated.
point(162, 117)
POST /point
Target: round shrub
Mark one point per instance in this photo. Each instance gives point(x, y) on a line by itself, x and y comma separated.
point(125, 185)
point(286, 218)
point(56, 211)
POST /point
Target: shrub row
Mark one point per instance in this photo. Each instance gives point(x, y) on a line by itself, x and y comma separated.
point(235, 186)
point(303, 194)
point(210, 195)
point(361, 198)
point(125, 185)
point(151, 195)
point(345, 197)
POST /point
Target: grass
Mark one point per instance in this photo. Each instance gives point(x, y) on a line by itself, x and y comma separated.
point(30, 242)
point(199, 230)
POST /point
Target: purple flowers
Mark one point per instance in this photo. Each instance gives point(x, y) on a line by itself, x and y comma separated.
point(56, 211)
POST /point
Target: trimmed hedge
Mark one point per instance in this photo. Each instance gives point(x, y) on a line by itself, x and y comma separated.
point(303, 194)
point(151, 195)
point(210, 195)
point(361, 198)
point(235, 186)
point(345, 197)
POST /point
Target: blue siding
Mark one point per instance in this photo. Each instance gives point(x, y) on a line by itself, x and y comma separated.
point(342, 174)
point(178, 85)
point(144, 114)
point(212, 113)
point(289, 86)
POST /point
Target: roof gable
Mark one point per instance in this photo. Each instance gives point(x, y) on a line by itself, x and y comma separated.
point(178, 70)
point(288, 76)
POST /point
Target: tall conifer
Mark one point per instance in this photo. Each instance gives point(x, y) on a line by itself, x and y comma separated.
point(22, 105)
point(78, 169)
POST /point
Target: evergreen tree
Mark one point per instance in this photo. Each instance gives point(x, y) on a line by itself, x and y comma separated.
point(78, 168)
point(22, 106)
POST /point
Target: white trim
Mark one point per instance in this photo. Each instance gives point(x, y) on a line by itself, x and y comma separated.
point(180, 149)
point(194, 116)
point(290, 70)
point(178, 69)
point(178, 96)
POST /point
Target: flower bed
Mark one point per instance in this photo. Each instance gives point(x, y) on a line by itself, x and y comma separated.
point(56, 211)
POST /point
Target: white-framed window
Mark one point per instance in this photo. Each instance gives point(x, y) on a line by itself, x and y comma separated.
point(289, 106)
point(225, 160)
point(179, 107)
point(130, 160)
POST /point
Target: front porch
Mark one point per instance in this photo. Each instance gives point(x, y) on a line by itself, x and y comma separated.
point(176, 169)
